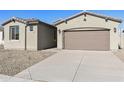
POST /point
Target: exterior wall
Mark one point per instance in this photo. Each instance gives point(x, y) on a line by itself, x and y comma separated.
point(46, 36)
point(31, 38)
point(91, 21)
point(14, 44)
point(42, 37)
point(122, 40)
point(1, 38)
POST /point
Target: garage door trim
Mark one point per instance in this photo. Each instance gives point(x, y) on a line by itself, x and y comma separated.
point(84, 30)
point(87, 29)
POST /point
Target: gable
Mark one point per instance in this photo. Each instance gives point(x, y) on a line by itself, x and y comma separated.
point(87, 21)
point(13, 20)
point(12, 23)
point(85, 15)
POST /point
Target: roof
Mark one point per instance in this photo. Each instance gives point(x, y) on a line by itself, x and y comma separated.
point(1, 28)
point(26, 21)
point(89, 13)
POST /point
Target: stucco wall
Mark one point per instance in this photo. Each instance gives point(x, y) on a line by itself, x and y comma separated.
point(41, 37)
point(1, 38)
point(122, 40)
point(14, 44)
point(91, 21)
point(46, 36)
point(31, 43)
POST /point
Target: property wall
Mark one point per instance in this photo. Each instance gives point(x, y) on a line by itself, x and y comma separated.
point(14, 44)
point(46, 36)
point(91, 21)
point(1, 38)
point(31, 38)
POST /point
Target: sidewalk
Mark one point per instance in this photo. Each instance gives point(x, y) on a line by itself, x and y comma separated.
point(5, 78)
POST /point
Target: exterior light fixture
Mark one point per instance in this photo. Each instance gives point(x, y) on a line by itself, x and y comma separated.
point(85, 15)
point(85, 19)
point(59, 31)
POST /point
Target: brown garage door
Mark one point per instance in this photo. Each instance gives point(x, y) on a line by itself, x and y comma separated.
point(87, 40)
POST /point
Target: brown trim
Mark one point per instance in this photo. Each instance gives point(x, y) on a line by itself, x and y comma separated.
point(25, 37)
point(87, 29)
point(63, 40)
point(82, 30)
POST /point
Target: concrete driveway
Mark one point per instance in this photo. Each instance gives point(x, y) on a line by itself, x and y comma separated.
point(77, 66)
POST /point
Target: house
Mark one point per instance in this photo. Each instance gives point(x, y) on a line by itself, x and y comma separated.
point(1, 35)
point(88, 31)
point(28, 34)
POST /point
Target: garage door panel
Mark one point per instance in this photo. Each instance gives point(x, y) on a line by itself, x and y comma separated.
point(87, 40)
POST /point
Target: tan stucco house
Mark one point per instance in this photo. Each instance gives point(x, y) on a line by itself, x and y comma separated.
point(88, 31)
point(1, 35)
point(28, 34)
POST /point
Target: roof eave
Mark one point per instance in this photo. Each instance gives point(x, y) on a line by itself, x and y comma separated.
point(11, 21)
point(105, 17)
point(6, 22)
point(93, 14)
point(40, 22)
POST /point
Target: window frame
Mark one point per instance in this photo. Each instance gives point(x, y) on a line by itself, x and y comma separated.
point(14, 32)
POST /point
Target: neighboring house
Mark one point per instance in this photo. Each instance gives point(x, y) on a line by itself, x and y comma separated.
point(1, 35)
point(88, 31)
point(28, 34)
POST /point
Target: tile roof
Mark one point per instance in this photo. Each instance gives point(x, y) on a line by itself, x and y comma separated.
point(26, 21)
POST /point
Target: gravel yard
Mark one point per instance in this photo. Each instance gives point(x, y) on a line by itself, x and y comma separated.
point(120, 54)
point(14, 61)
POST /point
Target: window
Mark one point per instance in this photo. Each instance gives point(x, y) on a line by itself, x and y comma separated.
point(31, 28)
point(14, 33)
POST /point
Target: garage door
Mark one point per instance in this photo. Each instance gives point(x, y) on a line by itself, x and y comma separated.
point(87, 40)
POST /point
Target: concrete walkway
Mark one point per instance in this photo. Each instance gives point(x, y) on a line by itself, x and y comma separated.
point(75, 66)
point(5, 78)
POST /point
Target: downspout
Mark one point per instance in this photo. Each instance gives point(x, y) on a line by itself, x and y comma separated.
point(120, 35)
point(26, 37)
point(120, 39)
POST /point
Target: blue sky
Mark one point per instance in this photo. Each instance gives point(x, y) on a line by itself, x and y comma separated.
point(50, 16)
